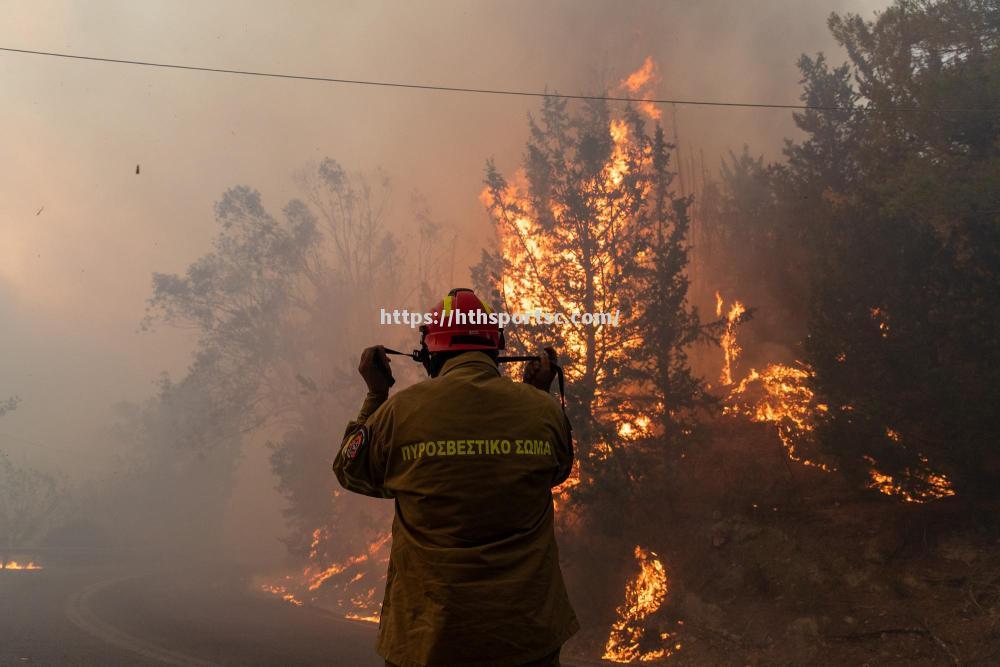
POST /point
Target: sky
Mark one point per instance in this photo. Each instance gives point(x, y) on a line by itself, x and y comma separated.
point(81, 232)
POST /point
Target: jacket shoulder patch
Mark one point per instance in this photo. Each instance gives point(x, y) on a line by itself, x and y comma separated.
point(357, 441)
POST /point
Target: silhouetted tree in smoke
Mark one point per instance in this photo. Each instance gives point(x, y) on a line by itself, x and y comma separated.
point(235, 296)
point(8, 405)
point(253, 302)
point(358, 266)
point(28, 498)
point(177, 455)
point(242, 300)
point(282, 306)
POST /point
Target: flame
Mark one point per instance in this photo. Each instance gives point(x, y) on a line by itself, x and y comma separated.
point(938, 485)
point(14, 565)
point(319, 578)
point(635, 428)
point(317, 536)
point(342, 577)
point(282, 592)
point(569, 483)
point(730, 348)
point(644, 595)
point(788, 402)
point(642, 83)
point(370, 618)
point(619, 166)
point(528, 240)
point(781, 395)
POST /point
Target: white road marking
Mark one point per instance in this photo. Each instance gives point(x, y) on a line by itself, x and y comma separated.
point(79, 613)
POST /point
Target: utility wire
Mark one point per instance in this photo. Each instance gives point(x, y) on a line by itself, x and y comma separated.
point(458, 89)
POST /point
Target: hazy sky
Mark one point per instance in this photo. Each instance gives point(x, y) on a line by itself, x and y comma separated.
point(74, 277)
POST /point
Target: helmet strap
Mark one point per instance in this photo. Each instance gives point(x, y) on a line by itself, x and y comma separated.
point(423, 355)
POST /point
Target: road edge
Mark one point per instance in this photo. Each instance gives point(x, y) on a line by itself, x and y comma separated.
point(79, 613)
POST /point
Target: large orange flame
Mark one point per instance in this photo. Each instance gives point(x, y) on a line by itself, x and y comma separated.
point(642, 84)
point(526, 241)
point(629, 639)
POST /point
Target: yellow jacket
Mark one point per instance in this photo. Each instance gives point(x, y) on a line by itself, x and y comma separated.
point(470, 458)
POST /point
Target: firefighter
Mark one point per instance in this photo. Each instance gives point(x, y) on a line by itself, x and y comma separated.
point(470, 457)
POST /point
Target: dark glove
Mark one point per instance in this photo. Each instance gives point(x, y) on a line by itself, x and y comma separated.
point(374, 368)
point(541, 373)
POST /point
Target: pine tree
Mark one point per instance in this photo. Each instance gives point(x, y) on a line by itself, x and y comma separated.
point(590, 225)
point(670, 324)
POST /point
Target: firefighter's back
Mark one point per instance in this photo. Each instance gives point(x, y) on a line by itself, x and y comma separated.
point(474, 575)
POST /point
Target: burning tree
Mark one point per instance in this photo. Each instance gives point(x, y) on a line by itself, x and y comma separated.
point(905, 315)
point(590, 224)
point(884, 219)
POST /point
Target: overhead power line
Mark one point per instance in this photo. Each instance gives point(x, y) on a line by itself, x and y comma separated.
point(459, 89)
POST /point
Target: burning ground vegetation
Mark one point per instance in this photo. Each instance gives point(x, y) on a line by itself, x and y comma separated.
point(351, 586)
point(777, 571)
point(756, 558)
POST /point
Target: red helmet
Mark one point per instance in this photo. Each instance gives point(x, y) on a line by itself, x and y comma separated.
point(475, 329)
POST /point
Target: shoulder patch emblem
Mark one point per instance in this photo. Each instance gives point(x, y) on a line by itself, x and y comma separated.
point(356, 442)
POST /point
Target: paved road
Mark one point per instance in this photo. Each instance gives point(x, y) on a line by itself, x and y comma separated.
point(138, 616)
point(131, 617)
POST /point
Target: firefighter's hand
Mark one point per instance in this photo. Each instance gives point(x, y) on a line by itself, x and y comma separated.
point(541, 373)
point(374, 368)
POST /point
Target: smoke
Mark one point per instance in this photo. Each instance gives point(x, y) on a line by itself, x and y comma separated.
point(81, 232)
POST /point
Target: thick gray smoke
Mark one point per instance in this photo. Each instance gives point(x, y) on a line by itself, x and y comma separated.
point(82, 230)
